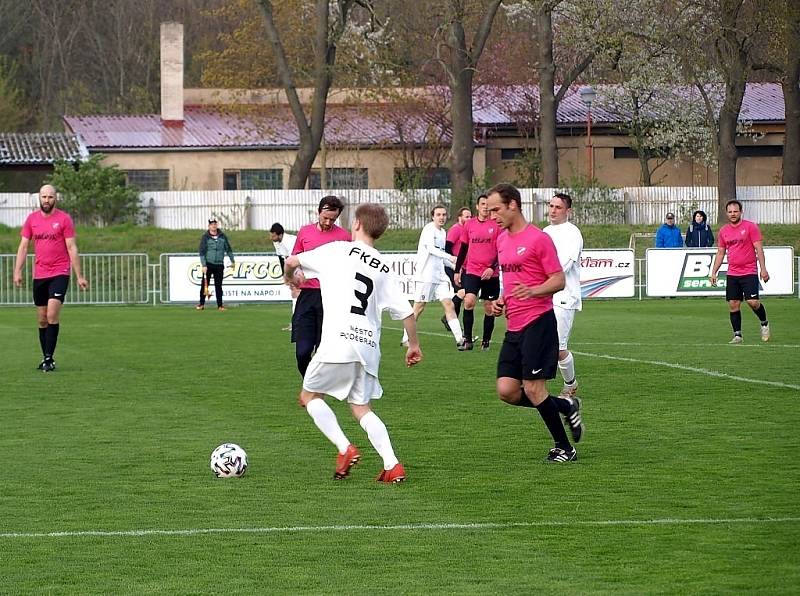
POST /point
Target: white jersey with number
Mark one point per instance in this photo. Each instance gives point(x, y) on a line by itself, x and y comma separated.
point(431, 255)
point(357, 285)
point(569, 244)
point(285, 246)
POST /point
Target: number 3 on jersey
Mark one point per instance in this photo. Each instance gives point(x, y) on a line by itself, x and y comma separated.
point(362, 297)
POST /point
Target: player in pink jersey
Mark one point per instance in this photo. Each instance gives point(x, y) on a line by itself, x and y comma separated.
point(453, 244)
point(307, 316)
point(529, 356)
point(741, 239)
point(54, 244)
point(480, 277)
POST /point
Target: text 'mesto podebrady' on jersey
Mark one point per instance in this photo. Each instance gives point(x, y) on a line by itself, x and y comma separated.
point(357, 285)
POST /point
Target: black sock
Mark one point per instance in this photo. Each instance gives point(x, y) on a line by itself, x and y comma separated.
point(761, 313)
point(488, 327)
point(42, 335)
point(457, 304)
point(524, 400)
point(736, 322)
point(563, 405)
point(548, 410)
point(50, 340)
point(469, 321)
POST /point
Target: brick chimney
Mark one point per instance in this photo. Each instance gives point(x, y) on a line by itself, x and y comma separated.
point(172, 74)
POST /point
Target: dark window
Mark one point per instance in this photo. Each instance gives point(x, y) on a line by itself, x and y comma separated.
point(340, 178)
point(760, 151)
point(148, 180)
point(405, 178)
point(512, 153)
point(230, 181)
point(271, 179)
point(625, 153)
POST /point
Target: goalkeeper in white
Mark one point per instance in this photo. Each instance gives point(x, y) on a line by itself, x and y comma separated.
point(357, 285)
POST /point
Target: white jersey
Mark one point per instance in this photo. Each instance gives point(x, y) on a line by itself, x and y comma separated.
point(569, 244)
point(285, 246)
point(357, 285)
point(431, 255)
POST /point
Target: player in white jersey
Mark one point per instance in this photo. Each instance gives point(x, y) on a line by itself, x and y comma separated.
point(283, 244)
point(569, 244)
point(432, 282)
point(357, 285)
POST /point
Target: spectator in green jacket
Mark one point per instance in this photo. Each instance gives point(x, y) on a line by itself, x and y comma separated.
point(214, 246)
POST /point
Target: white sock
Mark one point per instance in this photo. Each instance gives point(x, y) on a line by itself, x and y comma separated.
point(326, 421)
point(379, 437)
point(405, 337)
point(567, 368)
point(455, 327)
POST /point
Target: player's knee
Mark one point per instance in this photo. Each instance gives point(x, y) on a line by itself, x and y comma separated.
point(754, 304)
point(469, 301)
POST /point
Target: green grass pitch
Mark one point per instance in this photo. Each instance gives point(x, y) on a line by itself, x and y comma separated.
point(687, 478)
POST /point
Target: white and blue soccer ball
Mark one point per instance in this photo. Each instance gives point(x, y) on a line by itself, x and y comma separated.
point(228, 461)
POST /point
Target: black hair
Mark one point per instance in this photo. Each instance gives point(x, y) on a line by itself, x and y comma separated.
point(507, 193)
point(330, 203)
point(276, 229)
point(564, 197)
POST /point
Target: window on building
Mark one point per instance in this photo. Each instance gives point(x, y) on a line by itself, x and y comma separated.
point(511, 153)
point(340, 178)
point(625, 153)
point(760, 151)
point(405, 178)
point(148, 180)
point(249, 179)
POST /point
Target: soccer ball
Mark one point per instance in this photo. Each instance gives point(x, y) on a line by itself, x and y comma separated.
point(228, 461)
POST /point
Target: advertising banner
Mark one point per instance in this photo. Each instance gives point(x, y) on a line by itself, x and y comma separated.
point(685, 272)
point(257, 277)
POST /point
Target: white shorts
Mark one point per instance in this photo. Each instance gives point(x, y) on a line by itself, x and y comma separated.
point(343, 380)
point(564, 319)
point(433, 292)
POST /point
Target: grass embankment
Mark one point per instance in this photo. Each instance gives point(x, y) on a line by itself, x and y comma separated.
point(154, 241)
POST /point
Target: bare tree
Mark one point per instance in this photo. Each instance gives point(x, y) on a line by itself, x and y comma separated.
point(326, 38)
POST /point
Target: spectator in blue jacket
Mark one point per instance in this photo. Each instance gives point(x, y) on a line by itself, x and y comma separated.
point(668, 234)
point(699, 234)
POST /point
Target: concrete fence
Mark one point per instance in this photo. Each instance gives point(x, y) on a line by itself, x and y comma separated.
point(259, 209)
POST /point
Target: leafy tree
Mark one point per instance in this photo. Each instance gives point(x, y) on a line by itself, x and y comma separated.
point(12, 111)
point(95, 194)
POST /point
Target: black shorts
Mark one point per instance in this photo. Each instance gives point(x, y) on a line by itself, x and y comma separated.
point(307, 317)
point(485, 289)
point(451, 276)
point(742, 287)
point(50, 288)
point(531, 353)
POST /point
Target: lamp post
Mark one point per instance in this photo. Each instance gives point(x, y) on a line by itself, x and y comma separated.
point(587, 97)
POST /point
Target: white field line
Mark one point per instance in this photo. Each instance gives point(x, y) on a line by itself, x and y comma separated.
point(702, 371)
point(408, 527)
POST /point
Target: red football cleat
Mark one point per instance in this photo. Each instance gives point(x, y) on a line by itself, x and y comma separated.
point(393, 476)
point(345, 461)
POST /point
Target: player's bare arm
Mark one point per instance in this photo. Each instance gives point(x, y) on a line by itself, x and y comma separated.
point(762, 263)
point(717, 264)
point(75, 260)
point(292, 273)
point(554, 283)
point(22, 254)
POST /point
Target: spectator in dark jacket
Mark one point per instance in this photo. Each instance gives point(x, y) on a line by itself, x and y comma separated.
point(699, 234)
point(214, 246)
point(668, 234)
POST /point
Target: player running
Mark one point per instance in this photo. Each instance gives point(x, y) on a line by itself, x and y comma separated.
point(453, 244)
point(481, 279)
point(432, 282)
point(567, 302)
point(356, 286)
point(529, 355)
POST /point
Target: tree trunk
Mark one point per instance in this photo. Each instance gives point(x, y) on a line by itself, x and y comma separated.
point(547, 101)
point(791, 101)
point(726, 182)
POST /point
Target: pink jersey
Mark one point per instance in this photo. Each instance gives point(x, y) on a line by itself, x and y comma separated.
point(528, 257)
point(49, 234)
point(482, 239)
point(455, 236)
point(738, 242)
point(310, 237)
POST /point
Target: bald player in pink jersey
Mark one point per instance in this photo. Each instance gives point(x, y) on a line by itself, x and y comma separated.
point(307, 316)
point(480, 277)
point(741, 239)
point(529, 356)
point(53, 236)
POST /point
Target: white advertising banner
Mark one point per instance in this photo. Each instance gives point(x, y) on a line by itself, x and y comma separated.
point(685, 272)
point(257, 277)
